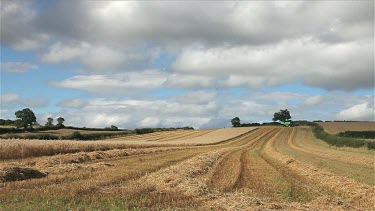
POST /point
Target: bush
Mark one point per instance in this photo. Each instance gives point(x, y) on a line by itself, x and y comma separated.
point(358, 134)
point(371, 145)
point(76, 135)
point(144, 130)
point(10, 130)
point(335, 140)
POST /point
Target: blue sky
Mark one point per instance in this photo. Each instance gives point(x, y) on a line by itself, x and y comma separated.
point(157, 64)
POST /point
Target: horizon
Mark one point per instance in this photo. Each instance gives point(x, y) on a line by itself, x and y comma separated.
point(159, 64)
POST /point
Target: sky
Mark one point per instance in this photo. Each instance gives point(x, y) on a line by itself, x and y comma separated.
point(181, 63)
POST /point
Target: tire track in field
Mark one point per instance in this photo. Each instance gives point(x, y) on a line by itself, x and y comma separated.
point(232, 171)
point(306, 142)
point(298, 188)
point(303, 142)
point(258, 176)
point(329, 186)
point(226, 173)
point(359, 172)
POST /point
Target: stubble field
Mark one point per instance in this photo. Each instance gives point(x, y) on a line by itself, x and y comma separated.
point(337, 127)
point(261, 168)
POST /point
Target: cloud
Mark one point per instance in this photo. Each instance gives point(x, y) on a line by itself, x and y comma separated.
point(9, 99)
point(35, 102)
point(203, 109)
point(149, 122)
point(364, 111)
point(59, 52)
point(266, 22)
point(313, 100)
point(117, 83)
point(197, 97)
point(72, 103)
point(126, 51)
point(17, 67)
point(17, 28)
point(279, 43)
point(95, 58)
point(317, 64)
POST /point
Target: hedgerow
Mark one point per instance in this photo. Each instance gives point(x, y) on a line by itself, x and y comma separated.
point(337, 140)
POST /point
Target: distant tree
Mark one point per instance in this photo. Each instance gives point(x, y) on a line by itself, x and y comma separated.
point(282, 115)
point(236, 122)
point(114, 127)
point(25, 118)
point(49, 122)
point(60, 121)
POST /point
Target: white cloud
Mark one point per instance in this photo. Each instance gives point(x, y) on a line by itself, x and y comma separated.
point(60, 52)
point(96, 58)
point(313, 100)
point(17, 67)
point(72, 103)
point(117, 83)
point(197, 97)
point(149, 122)
point(364, 111)
point(9, 98)
point(189, 81)
point(317, 64)
point(35, 102)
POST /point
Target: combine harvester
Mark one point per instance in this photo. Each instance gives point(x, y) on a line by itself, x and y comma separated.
point(286, 124)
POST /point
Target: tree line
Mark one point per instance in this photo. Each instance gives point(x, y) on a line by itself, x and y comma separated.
point(282, 116)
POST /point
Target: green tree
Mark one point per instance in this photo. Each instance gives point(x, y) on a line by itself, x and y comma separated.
point(236, 122)
point(25, 117)
point(60, 121)
point(282, 115)
point(49, 122)
point(114, 127)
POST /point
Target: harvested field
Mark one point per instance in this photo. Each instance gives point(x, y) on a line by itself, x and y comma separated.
point(337, 127)
point(237, 169)
point(14, 149)
point(187, 137)
point(67, 132)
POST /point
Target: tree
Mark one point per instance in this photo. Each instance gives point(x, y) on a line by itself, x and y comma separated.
point(236, 122)
point(49, 122)
point(282, 115)
point(25, 117)
point(60, 121)
point(113, 127)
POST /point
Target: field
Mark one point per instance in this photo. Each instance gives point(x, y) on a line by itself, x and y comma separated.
point(261, 168)
point(337, 127)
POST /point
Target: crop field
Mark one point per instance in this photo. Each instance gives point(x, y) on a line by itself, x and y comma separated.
point(337, 127)
point(261, 168)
